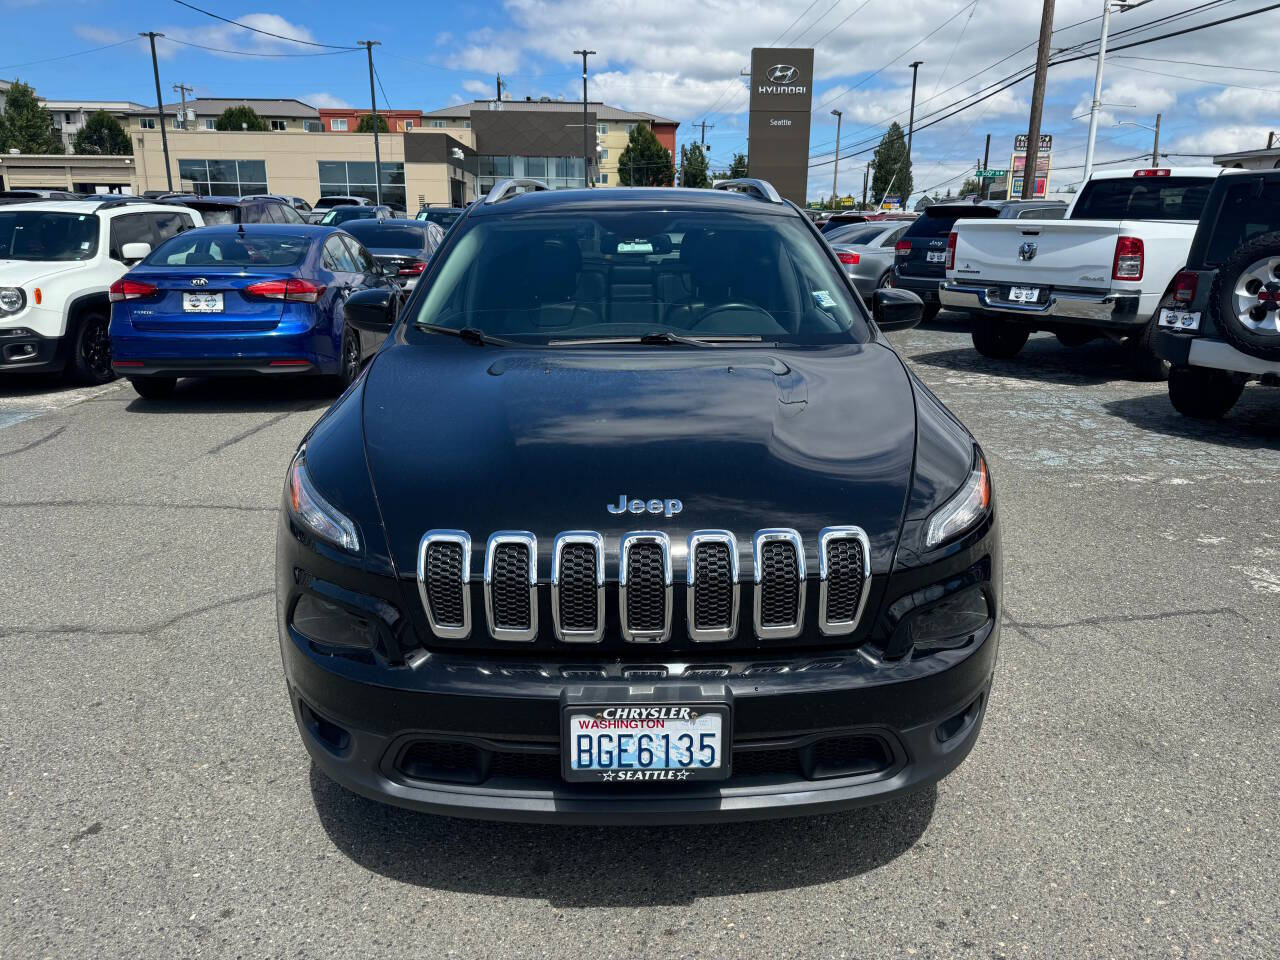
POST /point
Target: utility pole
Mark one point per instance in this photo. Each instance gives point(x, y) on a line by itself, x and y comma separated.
point(911, 119)
point(164, 139)
point(986, 158)
point(182, 90)
point(835, 170)
point(586, 153)
point(866, 177)
point(704, 126)
point(1155, 148)
point(500, 84)
point(373, 102)
point(1037, 101)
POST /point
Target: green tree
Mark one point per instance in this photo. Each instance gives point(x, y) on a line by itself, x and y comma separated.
point(366, 124)
point(242, 117)
point(26, 126)
point(693, 166)
point(102, 134)
point(892, 173)
point(644, 162)
point(970, 185)
point(738, 169)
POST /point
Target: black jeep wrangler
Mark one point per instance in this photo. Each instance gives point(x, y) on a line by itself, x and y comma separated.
point(1220, 325)
point(637, 517)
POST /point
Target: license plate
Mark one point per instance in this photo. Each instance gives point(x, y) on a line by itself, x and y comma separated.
point(202, 302)
point(646, 742)
point(1024, 294)
point(1180, 319)
point(932, 256)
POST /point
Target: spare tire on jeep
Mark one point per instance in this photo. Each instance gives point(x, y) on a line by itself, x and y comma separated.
point(1245, 300)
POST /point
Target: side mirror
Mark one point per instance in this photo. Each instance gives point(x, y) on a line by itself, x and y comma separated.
point(133, 252)
point(896, 309)
point(371, 310)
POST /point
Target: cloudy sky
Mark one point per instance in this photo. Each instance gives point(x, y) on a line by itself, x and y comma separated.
point(1215, 88)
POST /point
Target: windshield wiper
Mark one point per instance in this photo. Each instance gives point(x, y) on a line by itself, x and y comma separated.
point(660, 337)
point(473, 335)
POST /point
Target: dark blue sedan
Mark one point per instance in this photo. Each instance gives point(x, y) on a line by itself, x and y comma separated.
point(252, 299)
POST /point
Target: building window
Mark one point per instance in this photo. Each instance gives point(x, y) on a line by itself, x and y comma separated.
point(147, 123)
point(210, 123)
point(556, 172)
point(466, 124)
point(438, 124)
point(602, 129)
point(630, 127)
point(66, 118)
point(604, 153)
point(408, 124)
point(313, 126)
point(338, 124)
point(350, 178)
point(225, 178)
point(278, 125)
point(604, 178)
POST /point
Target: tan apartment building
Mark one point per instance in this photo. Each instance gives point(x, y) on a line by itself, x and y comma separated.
point(202, 113)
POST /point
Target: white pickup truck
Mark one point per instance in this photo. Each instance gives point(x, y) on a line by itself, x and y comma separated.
point(1101, 272)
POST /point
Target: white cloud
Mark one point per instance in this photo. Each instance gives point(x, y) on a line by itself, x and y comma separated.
point(1223, 139)
point(226, 36)
point(478, 87)
point(322, 99)
point(1239, 104)
point(99, 35)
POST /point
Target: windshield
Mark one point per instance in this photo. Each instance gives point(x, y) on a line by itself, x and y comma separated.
point(585, 276)
point(215, 215)
point(202, 249)
point(855, 233)
point(443, 217)
point(1143, 198)
point(41, 235)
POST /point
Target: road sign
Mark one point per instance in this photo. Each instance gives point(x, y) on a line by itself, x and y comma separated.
point(890, 203)
point(1020, 142)
point(992, 174)
point(846, 201)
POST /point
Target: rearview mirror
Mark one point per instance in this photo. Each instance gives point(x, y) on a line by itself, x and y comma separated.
point(133, 252)
point(896, 309)
point(371, 310)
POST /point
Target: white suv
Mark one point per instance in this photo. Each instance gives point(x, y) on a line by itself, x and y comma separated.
point(57, 260)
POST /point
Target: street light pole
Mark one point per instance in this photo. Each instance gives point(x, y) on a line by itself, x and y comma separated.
point(835, 171)
point(1096, 106)
point(373, 102)
point(1155, 147)
point(586, 162)
point(164, 139)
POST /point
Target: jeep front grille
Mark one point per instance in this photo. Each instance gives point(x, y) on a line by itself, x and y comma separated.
point(511, 585)
point(444, 575)
point(780, 583)
point(577, 587)
point(644, 586)
point(844, 574)
point(712, 585)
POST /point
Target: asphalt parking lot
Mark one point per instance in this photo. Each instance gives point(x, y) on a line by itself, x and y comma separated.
point(1122, 801)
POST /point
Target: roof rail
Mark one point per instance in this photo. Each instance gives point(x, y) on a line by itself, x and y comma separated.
point(506, 189)
point(760, 189)
point(120, 202)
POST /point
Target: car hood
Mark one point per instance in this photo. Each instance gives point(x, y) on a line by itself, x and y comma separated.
point(17, 273)
point(483, 439)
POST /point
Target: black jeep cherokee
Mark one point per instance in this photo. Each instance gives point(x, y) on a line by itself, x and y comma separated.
point(637, 517)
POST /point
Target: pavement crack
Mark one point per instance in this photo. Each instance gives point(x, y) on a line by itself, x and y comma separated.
point(269, 422)
point(87, 832)
point(34, 443)
point(1129, 618)
point(142, 631)
point(142, 504)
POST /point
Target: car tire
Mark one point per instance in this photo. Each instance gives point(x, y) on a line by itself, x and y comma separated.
point(351, 361)
point(1226, 303)
point(996, 338)
point(1076, 336)
point(1144, 362)
point(154, 388)
point(886, 281)
point(929, 311)
point(1204, 393)
point(91, 351)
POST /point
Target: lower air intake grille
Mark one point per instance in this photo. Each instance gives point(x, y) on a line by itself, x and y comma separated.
point(578, 596)
point(713, 587)
point(511, 586)
point(779, 585)
point(444, 583)
point(844, 579)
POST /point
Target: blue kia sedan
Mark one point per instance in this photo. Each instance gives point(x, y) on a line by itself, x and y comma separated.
point(238, 300)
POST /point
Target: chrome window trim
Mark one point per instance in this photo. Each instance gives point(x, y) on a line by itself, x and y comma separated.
point(696, 539)
point(664, 543)
point(787, 535)
point(531, 542)
point(558, 545)
point(836, 628)
point(463, 539)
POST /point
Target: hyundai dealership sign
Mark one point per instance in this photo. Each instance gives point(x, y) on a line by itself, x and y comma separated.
point(781, 98)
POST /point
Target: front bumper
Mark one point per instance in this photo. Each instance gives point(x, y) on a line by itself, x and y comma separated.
point(22, 350)
point(1063, 307)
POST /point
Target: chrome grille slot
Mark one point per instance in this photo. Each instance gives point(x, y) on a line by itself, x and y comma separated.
point(779, 583)
point(844, 573)
point(712, 581)
point(511, 585)
point(444, 575)
point(644, 586)
point(577, 586)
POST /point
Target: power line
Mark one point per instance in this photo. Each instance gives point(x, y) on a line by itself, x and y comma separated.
point(1210, 83)
point(247, 53)
point(775, 40)
point(841, 23)
point(65, 56)
point(1211, 66)
point(265, 33)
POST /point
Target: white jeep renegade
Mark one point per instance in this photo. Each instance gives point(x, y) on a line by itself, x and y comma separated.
point(57, 260)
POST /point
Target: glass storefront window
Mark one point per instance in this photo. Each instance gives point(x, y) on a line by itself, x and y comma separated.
point(356, 179)
point(225, 178)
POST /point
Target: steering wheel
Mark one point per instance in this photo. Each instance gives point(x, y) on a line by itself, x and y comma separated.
point(738, 307)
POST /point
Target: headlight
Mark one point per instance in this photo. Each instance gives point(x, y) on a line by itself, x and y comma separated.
point(314, 512)
point(963, 510)
point(12, 299)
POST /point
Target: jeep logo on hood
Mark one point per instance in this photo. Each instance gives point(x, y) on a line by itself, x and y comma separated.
point(667, 507)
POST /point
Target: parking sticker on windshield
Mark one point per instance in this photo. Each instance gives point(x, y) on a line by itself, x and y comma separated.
point(824, 298)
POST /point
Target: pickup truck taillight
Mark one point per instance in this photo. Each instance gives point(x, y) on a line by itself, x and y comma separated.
point(951, 250)
point(124, 289)
point(1128, 262)
point(1153, 172)
point(849, 258)
point(1184, 286)
point(902, 248)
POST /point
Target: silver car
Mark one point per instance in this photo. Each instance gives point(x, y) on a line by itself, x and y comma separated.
point(866, 251)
